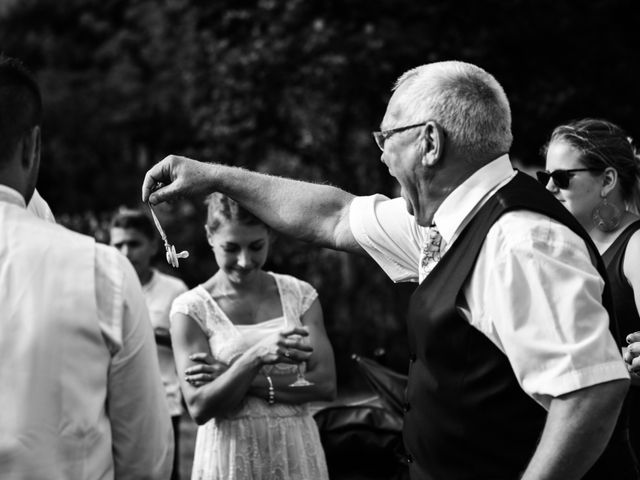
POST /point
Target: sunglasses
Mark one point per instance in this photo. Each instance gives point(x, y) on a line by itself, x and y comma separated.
point(561, 178)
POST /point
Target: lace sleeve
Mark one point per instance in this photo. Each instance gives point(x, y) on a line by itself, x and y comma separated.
point(308, 294)
point(189, 304)
point(298, 295)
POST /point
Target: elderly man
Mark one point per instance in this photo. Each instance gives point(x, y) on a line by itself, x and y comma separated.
point(513, 371)
point(81, 395)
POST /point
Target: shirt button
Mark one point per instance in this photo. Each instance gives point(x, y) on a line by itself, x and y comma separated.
point(406, 407)
point(409, 459)
point(412, 357)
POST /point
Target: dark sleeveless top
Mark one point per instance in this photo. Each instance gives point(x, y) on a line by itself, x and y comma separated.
point(466, 415)
point(623, 299)
point(628, 319)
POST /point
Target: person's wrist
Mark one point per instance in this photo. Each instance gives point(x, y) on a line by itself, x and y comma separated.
point(217, 177)
point(214, 172)
point(260, 356)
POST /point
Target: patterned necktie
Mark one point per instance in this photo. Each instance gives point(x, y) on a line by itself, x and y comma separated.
point(431, 252)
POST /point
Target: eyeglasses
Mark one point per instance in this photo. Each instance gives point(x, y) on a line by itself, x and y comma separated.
point(384, 135)
point(561, 178)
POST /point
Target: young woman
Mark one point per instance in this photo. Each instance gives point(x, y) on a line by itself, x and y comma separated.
point(592, 169)
point(238, 340)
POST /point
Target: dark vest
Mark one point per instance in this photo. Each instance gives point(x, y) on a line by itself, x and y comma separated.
point(466, 415)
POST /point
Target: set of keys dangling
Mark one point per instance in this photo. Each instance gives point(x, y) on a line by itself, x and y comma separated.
point(171, 255)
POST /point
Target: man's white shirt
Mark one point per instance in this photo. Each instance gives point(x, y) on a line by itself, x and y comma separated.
point(533, 290)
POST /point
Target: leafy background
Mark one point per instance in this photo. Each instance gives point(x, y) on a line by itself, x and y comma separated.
point(294, 88)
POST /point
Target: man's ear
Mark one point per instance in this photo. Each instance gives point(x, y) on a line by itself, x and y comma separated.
point(31, 148)
point(431, 144)
point(609, 181)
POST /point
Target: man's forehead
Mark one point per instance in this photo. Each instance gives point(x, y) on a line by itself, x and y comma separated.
point(395, 112)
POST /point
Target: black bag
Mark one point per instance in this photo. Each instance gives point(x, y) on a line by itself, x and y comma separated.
point(364, 441)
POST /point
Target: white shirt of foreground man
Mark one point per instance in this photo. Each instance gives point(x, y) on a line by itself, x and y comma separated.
point(40, 208)
point(81, 396)
point(550, 352)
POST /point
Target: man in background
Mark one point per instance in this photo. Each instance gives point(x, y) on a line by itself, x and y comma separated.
point(132, 232)
point(80, 389)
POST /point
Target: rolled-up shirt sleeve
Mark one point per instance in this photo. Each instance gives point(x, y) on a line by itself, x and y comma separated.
point(389, 234)
point(551, 324)
point(142, 436)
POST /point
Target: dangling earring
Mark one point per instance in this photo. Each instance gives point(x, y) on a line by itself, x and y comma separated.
point(606, 216)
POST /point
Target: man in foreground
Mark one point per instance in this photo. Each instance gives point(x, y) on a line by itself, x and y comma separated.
point(80, 395)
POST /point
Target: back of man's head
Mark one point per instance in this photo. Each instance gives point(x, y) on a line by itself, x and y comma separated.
point(467, 101)
point(20, 105)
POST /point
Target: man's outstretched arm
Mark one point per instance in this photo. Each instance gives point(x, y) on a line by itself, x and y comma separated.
point(311, 212)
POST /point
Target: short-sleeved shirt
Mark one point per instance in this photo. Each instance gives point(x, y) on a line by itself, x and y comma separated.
point(40, 208)
point(533, 291)
point(159, 293)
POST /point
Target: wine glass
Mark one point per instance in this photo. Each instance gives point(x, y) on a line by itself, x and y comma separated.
point(301, 380)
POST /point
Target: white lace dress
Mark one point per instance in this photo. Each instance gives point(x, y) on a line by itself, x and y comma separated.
point(258, 441)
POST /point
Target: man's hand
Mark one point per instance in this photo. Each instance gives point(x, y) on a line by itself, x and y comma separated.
point(174, 177)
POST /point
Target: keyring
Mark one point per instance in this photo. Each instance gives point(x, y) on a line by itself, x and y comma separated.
point(171, 255)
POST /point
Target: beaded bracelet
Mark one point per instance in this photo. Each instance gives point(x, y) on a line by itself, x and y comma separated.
point(272, 394)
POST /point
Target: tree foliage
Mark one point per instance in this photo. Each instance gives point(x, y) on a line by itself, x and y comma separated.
point(294, 88)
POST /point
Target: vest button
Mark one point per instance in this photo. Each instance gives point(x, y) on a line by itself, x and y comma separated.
point(409, 458)
point(406, 407)
point(412, 357)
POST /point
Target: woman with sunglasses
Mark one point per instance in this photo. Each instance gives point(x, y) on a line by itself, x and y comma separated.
point(593, 170)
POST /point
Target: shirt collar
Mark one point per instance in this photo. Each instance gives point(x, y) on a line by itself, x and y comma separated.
point(10, 195)
point(467, 198)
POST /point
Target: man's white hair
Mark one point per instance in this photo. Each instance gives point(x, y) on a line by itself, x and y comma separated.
point(467, 101)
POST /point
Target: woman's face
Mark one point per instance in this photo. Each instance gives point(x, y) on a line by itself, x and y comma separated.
point(583, 193)
point(240, 249)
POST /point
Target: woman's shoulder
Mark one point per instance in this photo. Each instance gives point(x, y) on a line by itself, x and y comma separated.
point(190, 296)
point(633, 243)
point(626, 239)
point(290, 280)
point(297, 293)
point(188, 302)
